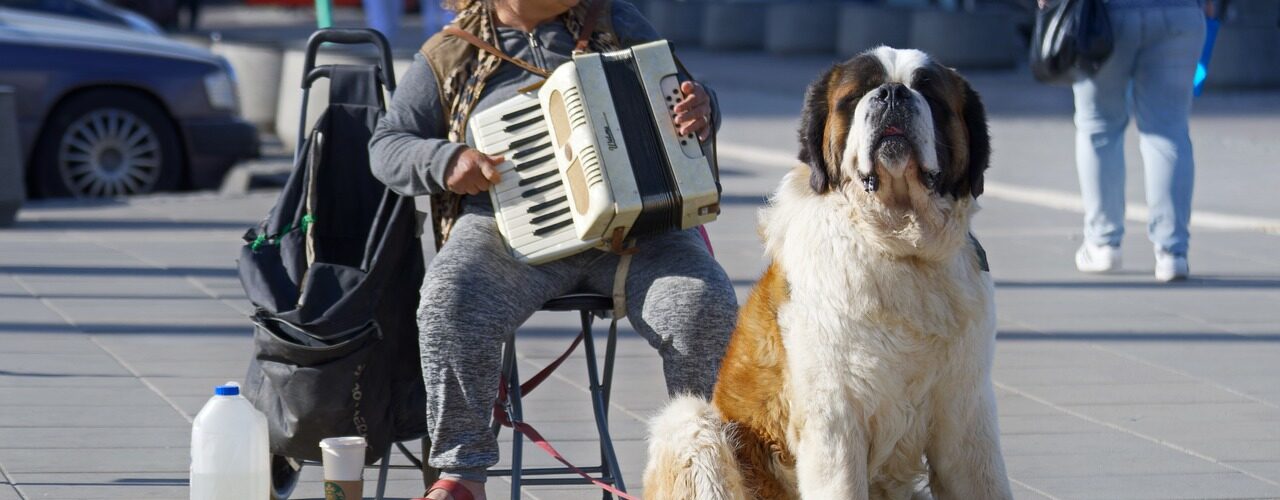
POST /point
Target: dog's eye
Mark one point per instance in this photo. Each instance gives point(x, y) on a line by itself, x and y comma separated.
point(851, 99)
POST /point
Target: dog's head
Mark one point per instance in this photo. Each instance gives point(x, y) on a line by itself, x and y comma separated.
point(902, 137)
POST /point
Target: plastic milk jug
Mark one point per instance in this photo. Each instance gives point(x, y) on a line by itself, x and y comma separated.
point(229, 449)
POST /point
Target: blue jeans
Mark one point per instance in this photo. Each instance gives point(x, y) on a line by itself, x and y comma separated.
point(1152, 68)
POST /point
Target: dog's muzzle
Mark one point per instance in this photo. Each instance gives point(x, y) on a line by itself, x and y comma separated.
point(891, 112)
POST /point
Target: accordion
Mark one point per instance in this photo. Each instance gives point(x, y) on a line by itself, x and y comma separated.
point(594, 156)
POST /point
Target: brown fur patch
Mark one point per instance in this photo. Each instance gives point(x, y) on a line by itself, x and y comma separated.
point(750, 394)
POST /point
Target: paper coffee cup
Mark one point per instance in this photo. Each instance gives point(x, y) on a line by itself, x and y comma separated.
point(343, 459)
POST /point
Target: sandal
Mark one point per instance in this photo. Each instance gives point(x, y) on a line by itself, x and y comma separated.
point(453, 487)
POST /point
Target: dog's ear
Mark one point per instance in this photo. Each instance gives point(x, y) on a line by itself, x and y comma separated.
point(813, 124)
point(975, 121)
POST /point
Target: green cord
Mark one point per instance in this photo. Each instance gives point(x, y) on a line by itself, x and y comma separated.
point(262, 239)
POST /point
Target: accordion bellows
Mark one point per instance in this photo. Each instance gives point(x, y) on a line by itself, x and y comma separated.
point(596, 153)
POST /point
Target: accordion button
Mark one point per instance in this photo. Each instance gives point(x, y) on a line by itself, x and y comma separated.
point(568, 154)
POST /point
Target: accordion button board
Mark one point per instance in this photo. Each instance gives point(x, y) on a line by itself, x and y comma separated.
point(595, 152)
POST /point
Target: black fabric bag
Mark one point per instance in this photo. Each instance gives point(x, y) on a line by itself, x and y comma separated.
point(333, 273)
point(1072, 39)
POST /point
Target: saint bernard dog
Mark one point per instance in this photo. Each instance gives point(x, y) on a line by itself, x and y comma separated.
point(860, 367)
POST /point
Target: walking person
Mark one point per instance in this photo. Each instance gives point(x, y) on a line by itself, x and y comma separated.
point(1151, 73)
point(475, 293)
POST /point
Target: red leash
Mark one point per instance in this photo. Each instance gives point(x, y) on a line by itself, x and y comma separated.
point(500, 415)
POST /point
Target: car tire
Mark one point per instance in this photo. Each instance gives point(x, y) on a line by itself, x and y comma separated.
point(107, 143)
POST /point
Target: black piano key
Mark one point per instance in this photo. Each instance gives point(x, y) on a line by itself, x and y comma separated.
point(540, 189)
point(552, 228)
point(527, 140)
point(530, 151)
point(536, 178)
point(518, 112)
point(546, 217)
point(525, 165)
point(547, 204)
point(519, 125)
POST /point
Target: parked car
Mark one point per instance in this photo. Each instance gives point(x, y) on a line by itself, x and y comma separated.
point(92, 10)
point(105, 111)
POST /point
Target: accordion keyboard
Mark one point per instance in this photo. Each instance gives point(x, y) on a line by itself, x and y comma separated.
point(529, 201)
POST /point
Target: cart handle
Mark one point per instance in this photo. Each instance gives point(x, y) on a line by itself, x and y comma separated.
point(348, 36)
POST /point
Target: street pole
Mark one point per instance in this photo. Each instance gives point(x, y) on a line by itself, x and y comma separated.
point(324, 14)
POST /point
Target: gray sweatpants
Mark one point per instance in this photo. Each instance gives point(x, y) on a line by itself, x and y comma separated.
point(475, 294)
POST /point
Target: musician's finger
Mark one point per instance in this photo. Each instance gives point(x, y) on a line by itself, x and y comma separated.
point(489, 169)
point(696, 125)
point(691, 101)
point(699, 112)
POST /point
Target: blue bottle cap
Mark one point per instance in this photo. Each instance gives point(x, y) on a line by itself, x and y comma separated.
point(227, 390)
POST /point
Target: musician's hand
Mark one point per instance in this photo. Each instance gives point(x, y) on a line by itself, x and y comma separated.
point(693, 112)
point(472, 172)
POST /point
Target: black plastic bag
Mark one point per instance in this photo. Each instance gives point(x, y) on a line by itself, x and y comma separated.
point(333, 273)
point(1072, 40)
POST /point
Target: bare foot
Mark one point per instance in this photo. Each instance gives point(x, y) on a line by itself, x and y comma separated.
point(476, 490)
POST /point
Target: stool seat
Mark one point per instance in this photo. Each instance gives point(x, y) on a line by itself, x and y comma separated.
point(579, 302)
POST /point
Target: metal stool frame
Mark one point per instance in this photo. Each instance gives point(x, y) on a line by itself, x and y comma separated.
point(587, 306)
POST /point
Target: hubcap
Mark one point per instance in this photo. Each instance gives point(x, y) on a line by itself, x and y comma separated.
point(109, 152)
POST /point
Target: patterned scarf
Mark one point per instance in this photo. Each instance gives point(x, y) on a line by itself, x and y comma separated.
point(460, 90)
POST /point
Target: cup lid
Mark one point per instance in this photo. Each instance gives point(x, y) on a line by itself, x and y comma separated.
point(343, 442)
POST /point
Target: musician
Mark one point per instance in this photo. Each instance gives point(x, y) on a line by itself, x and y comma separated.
point(475, 293)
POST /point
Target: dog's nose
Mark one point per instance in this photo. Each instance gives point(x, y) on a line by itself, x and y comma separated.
point(892, 93)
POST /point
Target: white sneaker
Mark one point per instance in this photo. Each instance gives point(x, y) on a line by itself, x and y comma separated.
point(1097, 258)
point(1170, 267)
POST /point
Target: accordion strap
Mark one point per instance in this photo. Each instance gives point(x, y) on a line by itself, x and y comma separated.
point(485, 46)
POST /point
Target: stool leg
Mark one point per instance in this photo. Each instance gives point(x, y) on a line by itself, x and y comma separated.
point(382, 474)
point(599, 407)
point(516, 414)
point(508, 360)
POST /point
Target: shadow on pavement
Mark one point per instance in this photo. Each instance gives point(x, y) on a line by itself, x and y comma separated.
point(130, 225)
point(1136, 337)
point(1226, 282)
point(208, 272)
point(129, 329)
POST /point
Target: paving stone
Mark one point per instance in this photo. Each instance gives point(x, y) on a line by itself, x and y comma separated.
point(100, 485)
point(89, 286)
point(130, 461)
point(14, 341)
point(50, 438)
point(119, 311)
point(93, 416)
point(1162, 393)
point(55, 381)
point(129, 396)
point(1159, 486)
point(1126, 460)
point(98, 364)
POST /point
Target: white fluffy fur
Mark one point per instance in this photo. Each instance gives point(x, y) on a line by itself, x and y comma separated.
point(889, 335)
point(691, 451)
point(899, 66)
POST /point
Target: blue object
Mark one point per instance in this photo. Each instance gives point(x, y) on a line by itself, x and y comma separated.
point(384, 16)
point(1202, 69)
point(227, 390)
point(434, 17)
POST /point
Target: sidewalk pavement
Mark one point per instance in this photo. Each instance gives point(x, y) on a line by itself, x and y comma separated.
point(118, 317)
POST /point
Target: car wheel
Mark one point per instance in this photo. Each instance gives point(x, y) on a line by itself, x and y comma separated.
point(107, 143)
